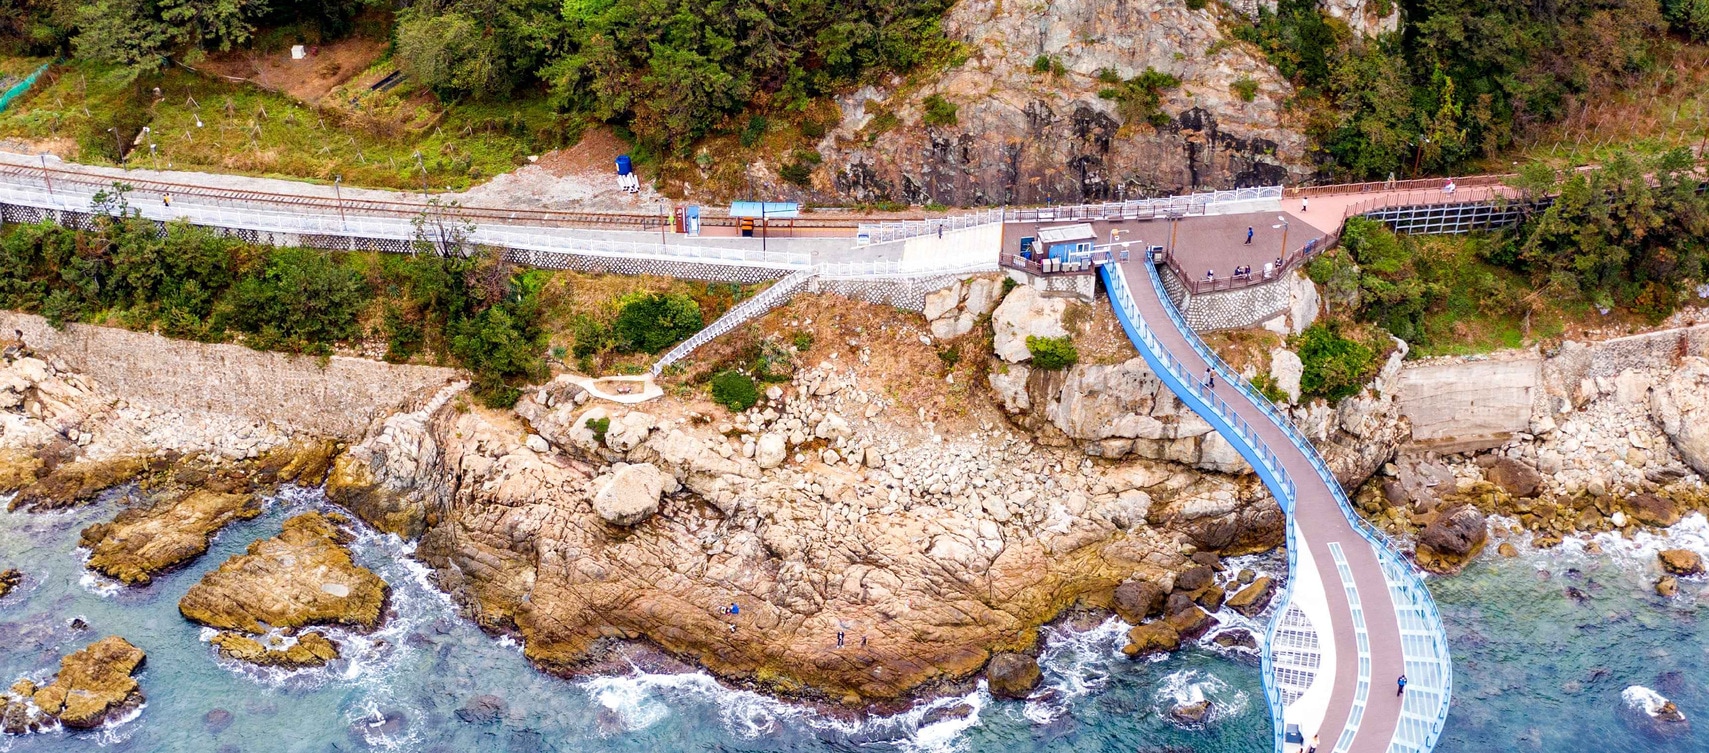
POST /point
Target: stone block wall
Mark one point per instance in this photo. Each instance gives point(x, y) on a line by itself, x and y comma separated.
point(337, 397)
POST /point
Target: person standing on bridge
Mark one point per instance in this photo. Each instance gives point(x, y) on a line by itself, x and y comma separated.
point(1400, 686)
point(1210, 378)
point(1304, 200)
point(1248, 236)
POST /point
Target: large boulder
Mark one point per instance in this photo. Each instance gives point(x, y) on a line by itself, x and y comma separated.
point(770, 451)
point(1138, 600)
point(1252, 599)
point(1651, 510)
point(9, 579)
point(1452, 540)
point(1151, 638)
point(1681, 405)
point(629, 431)
point(1023, 313)
point(1012, 675)
point(1516, 478)
point(632, 494)
point(1680, 561)
point(93, 684)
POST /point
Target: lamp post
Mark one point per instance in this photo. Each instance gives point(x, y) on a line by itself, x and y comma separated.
point(1284, 228)
point(660, 203)
point(763, 233)
point(45, 175)
point(118, 146)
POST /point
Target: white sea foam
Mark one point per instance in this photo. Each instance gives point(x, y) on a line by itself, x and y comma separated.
point(1644, 699)
point(1190, 686)
point(1074, 664)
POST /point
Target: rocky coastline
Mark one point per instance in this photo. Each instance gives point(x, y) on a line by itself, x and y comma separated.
point(887, 522)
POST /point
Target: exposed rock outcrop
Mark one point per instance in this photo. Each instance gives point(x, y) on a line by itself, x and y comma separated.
point(1151, 638)
point(302, 577)
point(9, 579)
point(140, 543)
point(94, 684)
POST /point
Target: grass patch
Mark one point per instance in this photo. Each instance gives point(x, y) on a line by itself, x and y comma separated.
point(252, 131)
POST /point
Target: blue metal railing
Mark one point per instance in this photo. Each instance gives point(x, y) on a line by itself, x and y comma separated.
point(1407, 580)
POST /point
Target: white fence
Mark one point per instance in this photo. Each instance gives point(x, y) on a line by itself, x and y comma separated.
point(767, 300)
point(887, 232)
point(402, 230)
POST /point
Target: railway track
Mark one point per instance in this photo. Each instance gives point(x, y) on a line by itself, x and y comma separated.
point(391, 208)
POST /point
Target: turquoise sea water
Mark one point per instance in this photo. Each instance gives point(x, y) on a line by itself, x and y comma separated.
point(1539, 667)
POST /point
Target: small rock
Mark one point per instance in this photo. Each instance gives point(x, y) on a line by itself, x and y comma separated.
point(1680, 561)
point(217, 721)
point(1138, 600)
point(1191, 713)
point(482, 709)
point(1667, 586)
point(1507, 549)
point(1151, 638)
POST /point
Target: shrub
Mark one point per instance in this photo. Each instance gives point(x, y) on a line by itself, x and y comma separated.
point(951, 356)
point(798, 173)
point(1245, 88)
point(1052, 353)
point(1335, 366)
point(939, 111)
point(599, 426)
point(802, 340)
point(734, 390)
point(754, 131)
point(651, 322)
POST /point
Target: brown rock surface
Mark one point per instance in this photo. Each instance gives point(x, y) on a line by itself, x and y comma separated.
point(1138, 600)
point(1680, 561)
point(1452, 540)
point(309, 649)
point(142, 542)
point(9, 579)
point(1012, 675)
point(1252, 599)
point(1652, 510)
point(1151, 638)
point(92, 684)
point(301, 577)
point(1518, 479)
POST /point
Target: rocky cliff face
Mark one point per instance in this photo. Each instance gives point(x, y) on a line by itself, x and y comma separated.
point(1023, 136)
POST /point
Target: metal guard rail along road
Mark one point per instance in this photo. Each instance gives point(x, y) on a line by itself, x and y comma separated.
point(547, 240)
point(1403, 580)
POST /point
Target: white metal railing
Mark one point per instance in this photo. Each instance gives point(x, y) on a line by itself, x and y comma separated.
point(888, 232)
point(958, 264)
point(1142, 209)
point(766, 300)
point(542, 239)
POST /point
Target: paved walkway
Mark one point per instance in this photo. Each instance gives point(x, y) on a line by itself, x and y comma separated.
point(1362, 712)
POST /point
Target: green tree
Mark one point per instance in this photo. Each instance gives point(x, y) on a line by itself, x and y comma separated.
point(1052, 353)
point(1335, 366)
point(301, 299)
point(734, 390)
point(651, 322)
point(478, 48)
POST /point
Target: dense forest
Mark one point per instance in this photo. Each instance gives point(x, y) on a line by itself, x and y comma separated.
point(1462, 80)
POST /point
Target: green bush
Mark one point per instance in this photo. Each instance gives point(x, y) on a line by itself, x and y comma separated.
point(802, 340)
point(1245, 88)
point(1335, 366)
point(939, 111)
point(303, 299)
point(798, 173)
point(651, 322)
point(599, 426)
point(734, 390)
point(1052, 353)
point(951, 356)
point(754, 131)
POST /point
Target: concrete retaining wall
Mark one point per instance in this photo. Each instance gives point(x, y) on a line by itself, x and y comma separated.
point(337, 398)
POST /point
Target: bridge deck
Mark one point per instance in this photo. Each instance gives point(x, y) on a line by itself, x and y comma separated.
point(1321, 525)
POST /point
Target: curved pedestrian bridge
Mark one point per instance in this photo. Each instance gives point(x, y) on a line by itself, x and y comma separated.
point(1355, 616)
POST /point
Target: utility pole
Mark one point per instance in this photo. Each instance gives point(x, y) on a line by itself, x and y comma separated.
point(423, 168)
point(46, 176)
point(338, 196)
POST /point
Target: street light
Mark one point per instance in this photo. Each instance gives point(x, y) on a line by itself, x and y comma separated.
point(45, 175)
point(660, 203)
point(1284, 228)
point(118, 146)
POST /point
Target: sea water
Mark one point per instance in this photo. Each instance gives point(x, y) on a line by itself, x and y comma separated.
point(1538, 667)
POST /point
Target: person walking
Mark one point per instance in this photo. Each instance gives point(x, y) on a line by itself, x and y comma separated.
point(1313, 747)
point(166, 199)
point(1400, 686)
point(1303, 202)
point(1210, 378)
point(1248, 237)
point(735, 609)
point(839, 639)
